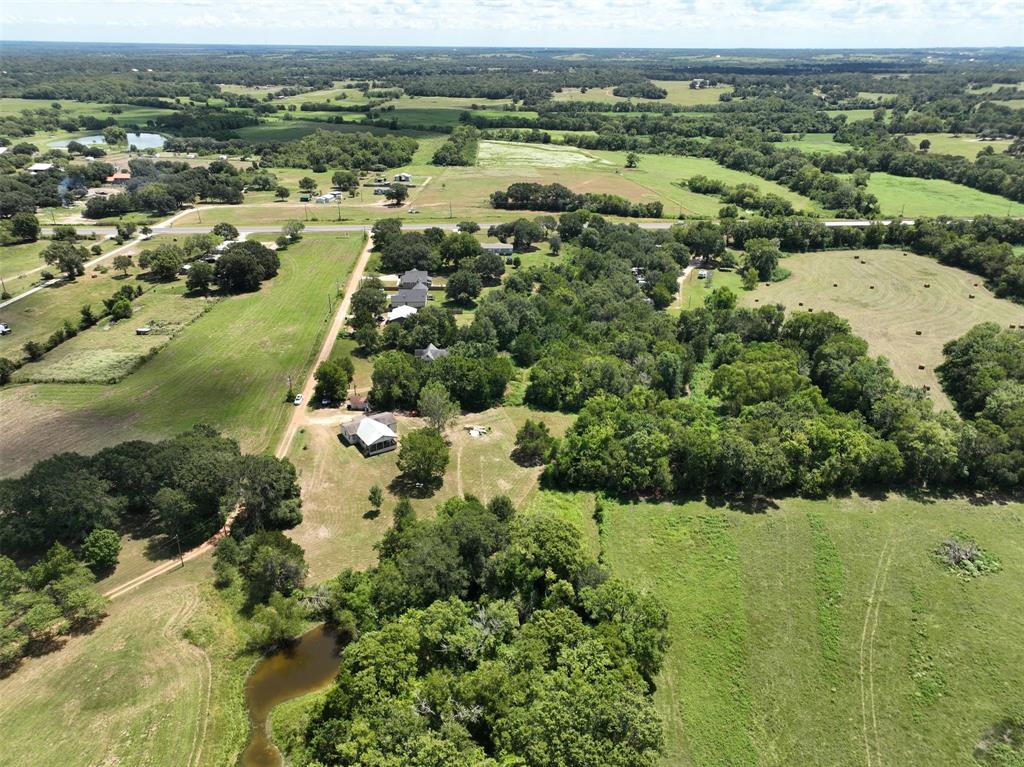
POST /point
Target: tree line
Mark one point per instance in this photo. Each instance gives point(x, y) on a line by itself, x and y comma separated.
point(556, 198)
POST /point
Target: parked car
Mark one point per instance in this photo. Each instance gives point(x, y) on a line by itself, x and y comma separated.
point(4, 328)
point(298, 399)
point(702, 274)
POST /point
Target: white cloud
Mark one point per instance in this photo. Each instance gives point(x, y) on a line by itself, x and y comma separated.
point(669, 23)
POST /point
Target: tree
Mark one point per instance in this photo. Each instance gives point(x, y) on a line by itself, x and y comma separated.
point(749, 278)
point(333, 378)
point(396, 381)
point(282, 193)
point(271, 562)
point(293, 230)
point(490, 266)
point(632, 159)
point(397, 193)
point(101, 548)
point(436, 405)
point(7, 369)
point(459, 248)
point(423, 456)
point(534, 444)
point(244, 265)
point(368, 338)
point(225, 231)
point(763, 256)
point(200, 275)
point(66, 257)
point(276, 623)
point(925, 145)
point(115, 134)
point(25, 227)
point(174, 511)
point(376, 498)
point(463, 287)
point(121, 309)
point(468, 227)
point(307, 185)
point(164, 261)
point(368, 301)
point(345, 180)
point(123, 262)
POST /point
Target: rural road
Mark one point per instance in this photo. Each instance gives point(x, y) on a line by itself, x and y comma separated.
point(327, 228)
point(300, 414)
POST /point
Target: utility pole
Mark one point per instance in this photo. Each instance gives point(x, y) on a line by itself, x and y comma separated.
point(180, 558)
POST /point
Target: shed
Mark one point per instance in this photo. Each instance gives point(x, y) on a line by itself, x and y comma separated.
point(403, 178)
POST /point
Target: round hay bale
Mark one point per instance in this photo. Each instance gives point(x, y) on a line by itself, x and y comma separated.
point(920, 367)
point(927, 284)
point(917, 332)
point(970, 295)
point(800, 303)
point(835, 284)
point(872, 287)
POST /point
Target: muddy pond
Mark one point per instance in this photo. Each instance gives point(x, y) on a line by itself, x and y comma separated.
point(309, 665)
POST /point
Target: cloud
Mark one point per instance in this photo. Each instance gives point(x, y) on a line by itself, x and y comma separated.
point(572, 23)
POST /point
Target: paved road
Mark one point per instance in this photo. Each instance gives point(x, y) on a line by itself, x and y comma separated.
point(313, 228)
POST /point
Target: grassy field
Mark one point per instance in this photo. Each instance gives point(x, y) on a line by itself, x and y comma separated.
point(695, 289)
point(229, 368)
point(823, 632)
point(963, 145)
point(890, 315)
point(899, 195)
point(159, 682)
point(852, 115)
point(111, 350)
point(679, 92)
point(339, 530)
point(816, 142)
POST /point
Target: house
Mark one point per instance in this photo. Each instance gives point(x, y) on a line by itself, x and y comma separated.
point(324, 199)
point(415, 297)
point(356, 402)
point(372, 434)
point(403, 178)
point(221, 247)
point(120, 178)
point(39, 167)
point(3, 149)
point(380, 190)
point(501, 248)
point(699, 82)
point(401, 313)
point(431, 353)
point(414, 278)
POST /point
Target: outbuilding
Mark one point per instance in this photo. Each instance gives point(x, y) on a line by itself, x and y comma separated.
point(501, 248)
point(403, 178)
point(431, 353)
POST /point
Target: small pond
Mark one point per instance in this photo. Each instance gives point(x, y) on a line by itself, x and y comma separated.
point(138, 140)
point(308, 665)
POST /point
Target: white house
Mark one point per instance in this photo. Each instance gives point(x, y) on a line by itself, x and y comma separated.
point(39, 167)
point(401, 312)
point(501, 248)
point(372, 434)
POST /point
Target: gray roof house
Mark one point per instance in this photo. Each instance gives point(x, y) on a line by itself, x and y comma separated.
point(415, 297)
point(414, 277)
point(431, 353)
point(372, 434)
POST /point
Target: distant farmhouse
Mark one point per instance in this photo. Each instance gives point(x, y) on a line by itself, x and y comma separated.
point(39, 167)
point(414, 278)
point(431, 353)
point(403, 178)
point(501, 248)
point(371, 434)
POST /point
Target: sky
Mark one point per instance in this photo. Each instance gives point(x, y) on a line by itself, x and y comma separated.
point(503, 23)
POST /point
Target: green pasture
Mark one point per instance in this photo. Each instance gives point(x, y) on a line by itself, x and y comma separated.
point(823, 632)
point(679, 92)
point(908, 196)
point(229, 368)
point(963, 145)
point(815, 142)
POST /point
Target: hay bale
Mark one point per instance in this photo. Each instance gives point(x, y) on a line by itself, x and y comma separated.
point(920, 367)
point(917, 332)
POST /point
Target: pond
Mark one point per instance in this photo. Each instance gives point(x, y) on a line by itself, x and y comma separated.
point(138, 140)
point(309, 665)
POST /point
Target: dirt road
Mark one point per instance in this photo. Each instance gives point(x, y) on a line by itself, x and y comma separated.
point(299, 418)
point(301, 414)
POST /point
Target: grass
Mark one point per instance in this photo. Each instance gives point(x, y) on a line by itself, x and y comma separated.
point(963, 145)
point(890, 315)
point(852, 115)
point(816, 142)
point(899, 195)
point(745, 681)
point(159, 682)
point(109, 351)
point(695, 289)
point(229, 368)
point(679, 92)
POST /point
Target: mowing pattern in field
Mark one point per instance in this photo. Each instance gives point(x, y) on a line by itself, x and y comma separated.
point(230, 369)
point(924, 663)
point(157, 683)
point(890, 314)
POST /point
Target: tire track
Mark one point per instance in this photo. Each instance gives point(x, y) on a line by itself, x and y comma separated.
point(866, 659)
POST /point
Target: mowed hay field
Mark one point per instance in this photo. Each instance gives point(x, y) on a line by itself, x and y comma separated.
point(158, 682)
point(823, 632)
point(679, 92)
point(890, 315)
point(899, 195)
point(229, 368)
point(963, 145)
point(338, 529)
